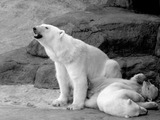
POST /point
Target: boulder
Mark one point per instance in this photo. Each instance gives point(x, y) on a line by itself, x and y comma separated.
point(18, 67)
point(139, 6)
point(35, 49)
point(132, 39)
point(157, 49)
point(45, 76)
point(138, 64)
point(119, 3)
point(115, 31)
point(110, 3)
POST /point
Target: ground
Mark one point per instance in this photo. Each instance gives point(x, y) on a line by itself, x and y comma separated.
point(19, 113)
point(27, 96)
point(25, 102)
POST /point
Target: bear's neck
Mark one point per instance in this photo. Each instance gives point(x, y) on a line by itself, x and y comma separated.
point(70, 49)
point(65, 49)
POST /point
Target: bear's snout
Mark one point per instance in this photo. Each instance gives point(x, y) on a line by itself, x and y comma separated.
point(38, 35)
point(34, 29)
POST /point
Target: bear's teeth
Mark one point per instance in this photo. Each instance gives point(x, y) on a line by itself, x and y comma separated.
point(38, 36)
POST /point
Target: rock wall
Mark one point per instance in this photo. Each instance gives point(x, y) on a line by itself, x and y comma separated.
point(131, 39)
point(140, 6)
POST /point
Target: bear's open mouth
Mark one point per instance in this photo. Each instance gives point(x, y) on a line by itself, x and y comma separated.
point(38, 36)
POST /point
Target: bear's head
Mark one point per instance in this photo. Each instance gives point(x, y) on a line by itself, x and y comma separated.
point(149, 91)
point(47, 34)
point(133, 109)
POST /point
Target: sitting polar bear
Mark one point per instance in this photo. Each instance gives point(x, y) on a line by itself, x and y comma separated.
point(77, 64)
point(125, 98)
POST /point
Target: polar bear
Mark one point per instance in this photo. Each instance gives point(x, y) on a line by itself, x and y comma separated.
point(126, 98)
point(77, 64)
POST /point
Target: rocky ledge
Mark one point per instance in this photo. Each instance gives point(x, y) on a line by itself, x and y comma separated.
point(132, 39)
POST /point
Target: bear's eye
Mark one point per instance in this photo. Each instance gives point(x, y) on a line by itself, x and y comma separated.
point(46, 27)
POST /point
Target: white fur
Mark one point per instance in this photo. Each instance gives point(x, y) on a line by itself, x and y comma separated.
point(125, 97)
point(77, 64)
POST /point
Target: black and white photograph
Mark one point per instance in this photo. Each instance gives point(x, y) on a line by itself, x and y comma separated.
point(79, 59)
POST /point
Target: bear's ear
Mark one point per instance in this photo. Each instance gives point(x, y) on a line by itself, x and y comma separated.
point(61, 33)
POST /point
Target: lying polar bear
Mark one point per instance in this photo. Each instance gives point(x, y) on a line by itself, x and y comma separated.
point(76, 63)
point(125, 98)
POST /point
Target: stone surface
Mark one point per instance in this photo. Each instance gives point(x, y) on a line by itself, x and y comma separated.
point(119, 3)
point(45, 76)
point(19, 16)
point(25, 102)
point(27, 96)
point(115, 31)
point(16, 113)
point(110, 3)
point(148, 65)
point(34, 48)
point(18, 67)
point(136, 64)
point(130, 38)
point(139, 6)
point(157, 49)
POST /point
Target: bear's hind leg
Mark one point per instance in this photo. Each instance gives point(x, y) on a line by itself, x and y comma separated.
point(148, 105)
point(92, 102)
point(112, 69)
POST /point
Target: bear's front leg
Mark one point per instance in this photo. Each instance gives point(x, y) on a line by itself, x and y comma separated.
point(80, 86)
point(63, 81)
point(79, 93)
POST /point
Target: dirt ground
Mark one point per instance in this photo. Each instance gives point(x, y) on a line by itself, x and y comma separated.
point(19, 16)
point(23, 113)
point(25, 102)
point(27, 96)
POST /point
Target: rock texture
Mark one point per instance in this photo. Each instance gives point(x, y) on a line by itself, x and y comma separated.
point(18, 67)
point(19, 16)
point(115, 31)
point(140, 6)
point(157, 49)
point(45, 76)
point(110, 3)
point(35, 49)
point(132, 39)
